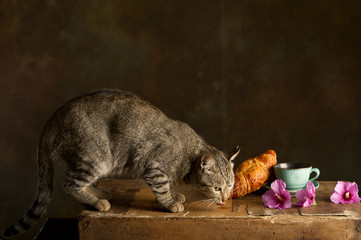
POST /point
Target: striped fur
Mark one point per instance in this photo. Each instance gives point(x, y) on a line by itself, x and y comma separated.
point(109, 133)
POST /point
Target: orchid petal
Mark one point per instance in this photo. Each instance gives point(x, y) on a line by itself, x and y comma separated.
point(287, 195)
point(278, 196)
point(352, 187)
point(337, 198)
point(354, 192)
point(286, 204)
point(340, 187)
point(270, 200)
point(308, 202)
point(278, 186)
point(355, 198)
point(306, 196)
point(301, 194)
point(345, 192)
point(311, 189)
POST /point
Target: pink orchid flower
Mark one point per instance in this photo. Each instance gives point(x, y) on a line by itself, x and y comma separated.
point(278, 196)
point(345, 192)
point(306, 197)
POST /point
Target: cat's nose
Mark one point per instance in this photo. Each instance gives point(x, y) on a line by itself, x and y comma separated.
point(224, 197)
point(221, 203)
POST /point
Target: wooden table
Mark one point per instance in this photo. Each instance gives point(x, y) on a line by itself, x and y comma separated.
point(135, 214)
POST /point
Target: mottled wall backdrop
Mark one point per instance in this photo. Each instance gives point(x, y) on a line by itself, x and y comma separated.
point(264, 74)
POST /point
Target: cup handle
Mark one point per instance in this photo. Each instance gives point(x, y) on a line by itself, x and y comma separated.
point(317, 171)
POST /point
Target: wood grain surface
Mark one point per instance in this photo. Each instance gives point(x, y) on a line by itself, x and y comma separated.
point(135, 214)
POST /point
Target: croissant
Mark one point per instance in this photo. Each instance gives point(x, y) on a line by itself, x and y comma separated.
point(253, 173)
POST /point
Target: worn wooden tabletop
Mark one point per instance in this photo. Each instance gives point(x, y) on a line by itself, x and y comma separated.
point(135, 214)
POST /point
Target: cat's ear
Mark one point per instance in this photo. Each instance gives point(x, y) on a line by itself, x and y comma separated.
point(207, 163)
point(233, 153)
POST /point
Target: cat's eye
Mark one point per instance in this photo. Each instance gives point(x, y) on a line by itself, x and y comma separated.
point(217, 189)
point(230, 186)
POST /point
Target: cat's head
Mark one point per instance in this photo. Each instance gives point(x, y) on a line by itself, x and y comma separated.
point(215, 175)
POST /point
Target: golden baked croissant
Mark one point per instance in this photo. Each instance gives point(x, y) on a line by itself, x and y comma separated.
point(253, 173)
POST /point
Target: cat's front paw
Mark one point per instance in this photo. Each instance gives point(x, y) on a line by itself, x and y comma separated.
point(102, 205)
point(176, 207)
point(179, 198)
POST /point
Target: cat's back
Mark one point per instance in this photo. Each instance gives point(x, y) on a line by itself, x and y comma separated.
point(106, 103)
point(106, 107)
point(101, 101)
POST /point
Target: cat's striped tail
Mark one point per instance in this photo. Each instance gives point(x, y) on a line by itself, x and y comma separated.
point(43, 197)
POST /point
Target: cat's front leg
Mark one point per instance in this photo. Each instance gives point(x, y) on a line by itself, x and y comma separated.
point(160, 185)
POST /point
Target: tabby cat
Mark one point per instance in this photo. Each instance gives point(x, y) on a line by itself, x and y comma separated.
point(108, 133)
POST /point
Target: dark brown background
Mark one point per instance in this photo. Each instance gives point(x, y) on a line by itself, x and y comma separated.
point(283, 74)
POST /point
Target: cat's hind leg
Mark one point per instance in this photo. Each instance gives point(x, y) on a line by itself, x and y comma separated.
point(84, 192)
point(88, 158)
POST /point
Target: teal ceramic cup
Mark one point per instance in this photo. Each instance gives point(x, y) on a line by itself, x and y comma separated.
point(295, 175)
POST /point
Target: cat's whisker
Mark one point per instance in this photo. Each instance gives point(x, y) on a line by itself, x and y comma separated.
point(208, 200)
point(205, 201)
point(211, 204)
point(200, 203)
